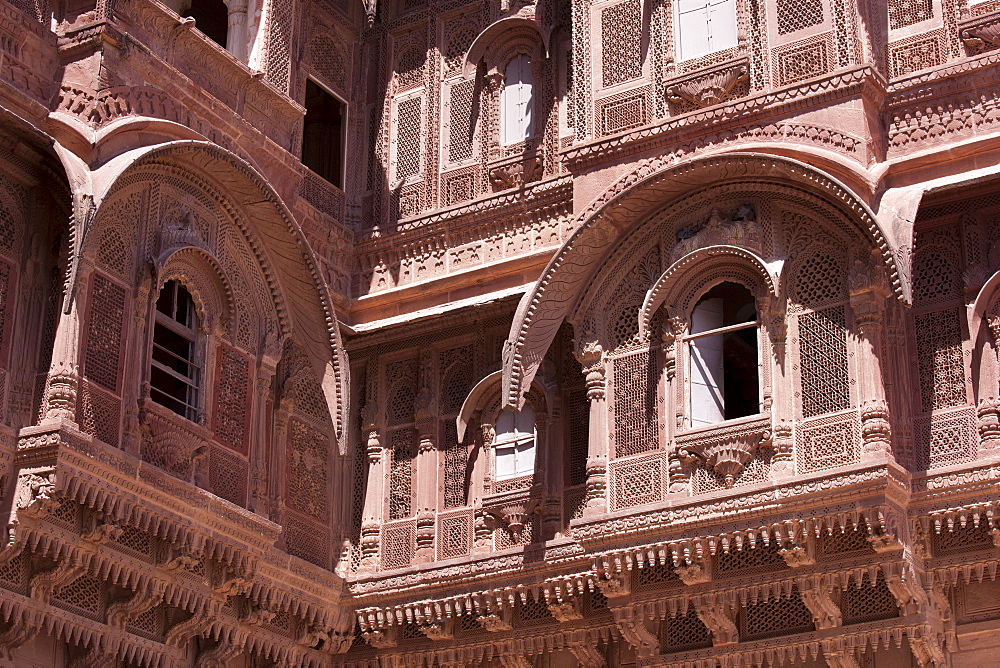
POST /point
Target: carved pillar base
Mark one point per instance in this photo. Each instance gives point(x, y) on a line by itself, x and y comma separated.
point(597, 485)
point(989, 425)
point(876, 435)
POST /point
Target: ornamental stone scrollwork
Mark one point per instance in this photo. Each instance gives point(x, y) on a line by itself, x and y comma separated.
point(739, 229)
point(719, 623)
point(645, 643)
point(439, 631)
point(45, 583)
point(21, 630)
point(515, 661)
point(566, 611)
point(712, 87)
point(616, 586)
point(101, 529)
point(725, 451)
point(819, 599)
point(381, 639)
point(512, 512)
point(495, 622)
point(34, 494)
point(798, 555)
point(980, 34)
point(587, 655)
point(516, 174)
point(695, 571)
point(144, 599)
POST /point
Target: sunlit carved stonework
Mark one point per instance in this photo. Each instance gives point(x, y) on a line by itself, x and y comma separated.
point(494, 334)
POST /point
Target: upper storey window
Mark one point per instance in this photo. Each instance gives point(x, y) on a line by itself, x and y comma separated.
point(514, 444)
point(704, 26)
point(724, 357)
point(210, 16)
point(323, 134)
point(174, 369)
point(517, 122)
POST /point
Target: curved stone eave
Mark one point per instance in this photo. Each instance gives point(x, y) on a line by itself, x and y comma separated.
point(310, 314)
point(473, 400)
point(658, 294)
point(483, 40)
point(632, 198)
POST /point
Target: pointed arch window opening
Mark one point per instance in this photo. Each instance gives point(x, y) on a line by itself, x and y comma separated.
point(724, 356)
point(517, 122)
point(175, 369)
point(514, 443)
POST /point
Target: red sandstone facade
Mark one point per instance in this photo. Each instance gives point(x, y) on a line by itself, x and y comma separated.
point(595, 333)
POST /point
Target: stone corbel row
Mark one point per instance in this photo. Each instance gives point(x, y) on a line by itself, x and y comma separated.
point(492, 607)
point(582, 643)
point(795, 536)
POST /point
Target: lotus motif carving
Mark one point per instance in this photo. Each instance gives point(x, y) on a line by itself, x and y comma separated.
point(981, 34)
point(726, 451)
point(713, 87)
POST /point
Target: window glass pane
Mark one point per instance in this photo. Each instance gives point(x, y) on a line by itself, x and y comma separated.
point(173, 372)
point(506, 461)
point(524, 422)
point(692, 29)
point(724, 305)
point(722, 24)
point(516, 122)
point(707, 381)
point(526, 457)
point(505, 425)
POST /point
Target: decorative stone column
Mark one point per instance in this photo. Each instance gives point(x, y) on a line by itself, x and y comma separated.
point(371, 515)
point(63, 383)
point(135, 363)
point(988, 409)
point(677, 473)
point(590, 354)
point(426, 467)
point(236, 37)
point(867, 289)
point(260, 443)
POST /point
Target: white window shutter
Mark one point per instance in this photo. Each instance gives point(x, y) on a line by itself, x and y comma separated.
point(707, 385)
point(516, 121)
point(693, 31)
point(722, 24)
point(506, 458)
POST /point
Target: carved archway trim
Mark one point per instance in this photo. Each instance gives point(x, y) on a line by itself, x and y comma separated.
point(204, 279)
point(670, 282)
point(608, 220)
point(280, 246)
point(484, 40)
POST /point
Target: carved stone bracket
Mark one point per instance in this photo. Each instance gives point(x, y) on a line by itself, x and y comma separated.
point(46, 583)
point(725, 450)
point(380, 639)
point(719, 623)
point(587, 655)
point(798, 555)
point(494, 622)
point(441, 631)
point(511, 511)
point(515, 661)
point(20, 631)
point(566, 611)
point(636, 634)
point(980, 34)
point(825, 611)
point(516, 174)
point(616, 586)
point(712, 87)
point(695, 571)
point(143, 600)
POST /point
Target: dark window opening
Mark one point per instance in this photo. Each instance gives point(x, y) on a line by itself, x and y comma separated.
point(212, 18)
point(174, 369)
point(323, 134)
point(725, 378)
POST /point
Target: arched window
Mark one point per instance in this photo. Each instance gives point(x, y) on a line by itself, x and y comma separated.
point(705, 26)
point(516, 119)
point(724, 356)
point(514, 443)
point(175, 369)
